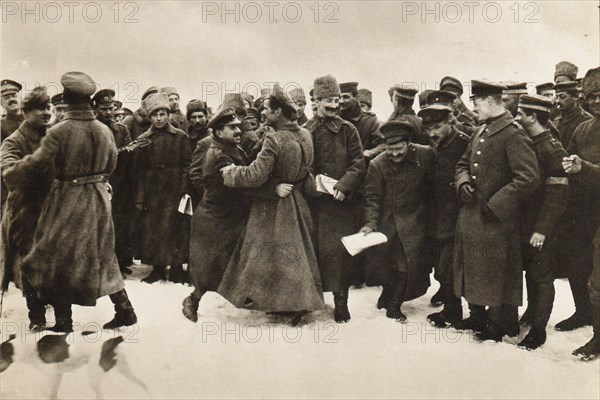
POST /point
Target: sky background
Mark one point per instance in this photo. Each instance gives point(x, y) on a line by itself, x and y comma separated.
point(205, 53)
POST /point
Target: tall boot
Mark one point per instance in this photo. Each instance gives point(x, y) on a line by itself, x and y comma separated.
point(341, 313)
point(528, 315)
point(37, 313)
point(394, 310)
point(493, 326)
point(124, 314)
point(158, 273)
point(63, 315)
point(591, 350)
point(583, 308)
point(510, 320)
point(190, 305)
point(452, 311)
point(177, 274)
point(476, 320)
point(541, 314)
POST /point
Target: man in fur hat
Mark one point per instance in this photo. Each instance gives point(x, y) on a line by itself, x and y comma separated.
point(178, 119)
point(565, 72)
point(339, 155)
point(365, 98)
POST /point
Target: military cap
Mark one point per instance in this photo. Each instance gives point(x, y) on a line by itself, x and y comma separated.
point(543, 87)
point(127, 111)
point(349, 87)
point(224, 117)
point(9, 86)
point(278, 94)
point(149, 91)
point(514, 87)
point(566, 86)
point(297, 94)
point(326, 86)
point(169, 90)
point(195, 105)
point(441, 97)
point(591, 81)
point(118, 105)
point(78, 83)
point(404, 91)
point(236, 101)
point(155, 102)
point(104, 97)
point(565, 71)
point(397, 130)
point(365, 96)
point(451, 83)
point(252, 113)
point(485, 87)
point(119, 111)
point(535, 102)
point(423, 98)
point(57, 99)
point(434, 113)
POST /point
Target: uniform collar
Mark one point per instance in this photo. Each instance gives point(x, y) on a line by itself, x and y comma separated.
point(499, 122)
point(20, 117)
point(541, 137)
point(79, 112)
point(333, 124)
point(450, 138)
point(30, 132)
point(574, 113)
point(169, 128)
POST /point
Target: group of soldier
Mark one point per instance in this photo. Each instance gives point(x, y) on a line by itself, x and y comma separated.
point(478, 196)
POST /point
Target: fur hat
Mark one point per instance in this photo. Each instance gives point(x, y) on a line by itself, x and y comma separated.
point(155, 102)
point(236, 101)
point(326, 86)
point(195, 105)
point(591, 81)
point(169, 90)
point(36, 99)
point(149, 91)
point(566, 70)
point(297, 94)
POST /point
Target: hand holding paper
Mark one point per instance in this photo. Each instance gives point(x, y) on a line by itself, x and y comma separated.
point(358, 242)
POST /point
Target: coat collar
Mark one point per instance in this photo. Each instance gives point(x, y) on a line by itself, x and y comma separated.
point(541, 137)
point(571, 115)
point(499, 123)
point(450, 138)
point(169, 128)
point(233, 150)
point(30, 132)
point(20, 117)
point(411, 157)
point(333, 124)
point(79, 112)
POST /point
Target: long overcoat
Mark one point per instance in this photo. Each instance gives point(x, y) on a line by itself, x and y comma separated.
point(398, 202)
point(501, 165)
point(162, 173)
point(339, 155)
point(274, 267)
point(73, 253)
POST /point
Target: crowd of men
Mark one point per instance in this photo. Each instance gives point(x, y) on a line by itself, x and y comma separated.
point(476, 196)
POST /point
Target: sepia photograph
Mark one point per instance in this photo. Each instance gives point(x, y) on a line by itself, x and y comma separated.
point(310, 199)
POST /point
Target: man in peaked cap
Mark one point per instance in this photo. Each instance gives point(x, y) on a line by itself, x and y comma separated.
point(565, 72)
point(461, 112)
point(118, 113)
point(494, 177)
point(423, 98)
point(546, 90)
point(123, 206)
point(365, 97)
point(177, 117)
point(450, 99)
point(339, 155)
point(510, 95)
point(59, 108)
point(570, 112)
point(588, 173)
point(540, 218)
point(297, 94)
point(398, 203)
point(450, 144)
point(403, 98)
point(583, 213)
point(367, 124)
point(11, 101)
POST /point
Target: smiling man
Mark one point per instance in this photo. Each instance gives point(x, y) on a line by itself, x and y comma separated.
point(11, 101)
point(570, 112)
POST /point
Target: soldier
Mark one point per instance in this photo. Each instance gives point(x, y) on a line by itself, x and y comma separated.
point(339, 155)
point(565, 72)
point(510, 95)
point(540, 215)
point(313, 102)
point(120, 180)
point(366, 123)
point(365, 98)
point(79, 265)
point(221, 216)
point(494, 177)
point(398, 195)
point(138, 122)
point(24, 201)
point(2, 113)
point(118, 113)
point(588, 174)
point(178, 119)
point(570, 112)
point(162, 180)
point(252, 119)
point(59, 108)
point(403, 98)
point(423, 98)
point(450, 144)
point(11, 101)
point(461, 112)
point(297, 95)
point(546, 90)
point(197, 121)
point(126, 113)
point(449, 99)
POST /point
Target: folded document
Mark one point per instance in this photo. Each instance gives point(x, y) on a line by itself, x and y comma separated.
point(185, 205)
point(356, 243)
point(325, 184)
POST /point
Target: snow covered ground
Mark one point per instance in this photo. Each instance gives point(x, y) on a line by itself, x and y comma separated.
point(232, 353)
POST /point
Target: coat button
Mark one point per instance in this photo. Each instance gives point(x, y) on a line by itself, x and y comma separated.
point(476, 165)
point(473, 177)
point(478, 152)
point(482, 140)
point(74, 180)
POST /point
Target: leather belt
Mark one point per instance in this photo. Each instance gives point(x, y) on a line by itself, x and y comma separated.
point(84, 180)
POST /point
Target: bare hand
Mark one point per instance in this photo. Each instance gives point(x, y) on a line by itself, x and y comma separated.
point(338, 195)
point(537, 240)
point(465, 192)
point(572, 164)
point(284, 189)
point(368, 154)
point(365, 230)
